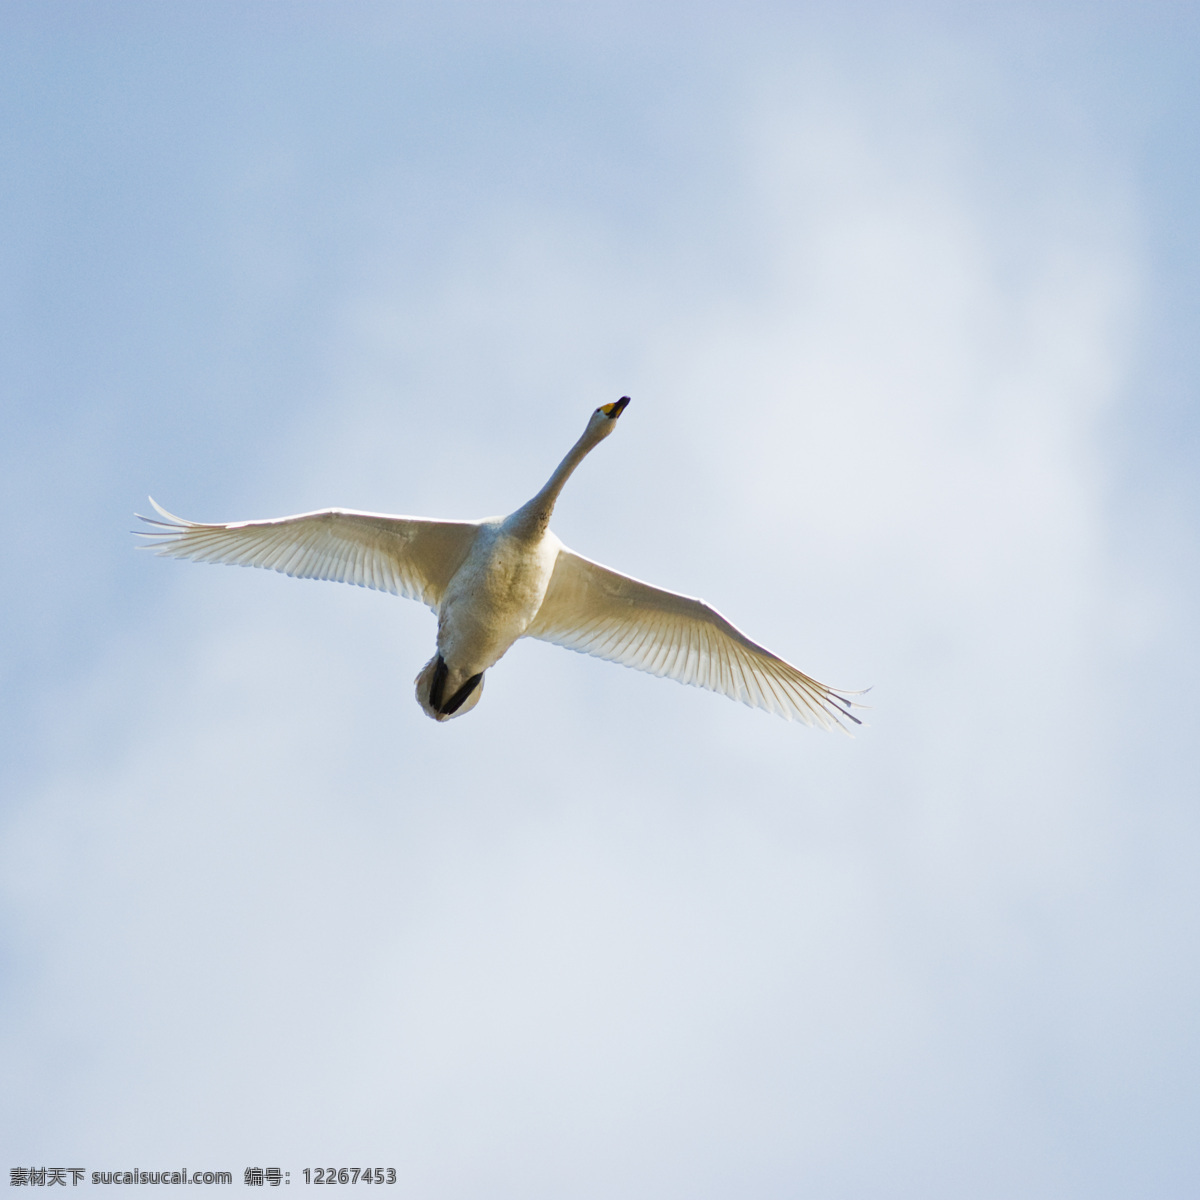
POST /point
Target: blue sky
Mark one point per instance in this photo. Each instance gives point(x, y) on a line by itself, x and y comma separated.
point(906, 300)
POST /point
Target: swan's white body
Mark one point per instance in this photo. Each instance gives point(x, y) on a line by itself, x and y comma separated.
point(494, 581)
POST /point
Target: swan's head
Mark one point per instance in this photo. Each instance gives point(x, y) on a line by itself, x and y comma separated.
point(604, 419)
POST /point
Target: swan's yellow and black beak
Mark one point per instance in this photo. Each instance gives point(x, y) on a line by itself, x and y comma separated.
point(613, 411)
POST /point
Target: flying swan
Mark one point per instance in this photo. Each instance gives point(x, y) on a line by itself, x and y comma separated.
point(496, 580)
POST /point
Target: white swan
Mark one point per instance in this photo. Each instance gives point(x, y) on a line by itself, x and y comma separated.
point(493, 581)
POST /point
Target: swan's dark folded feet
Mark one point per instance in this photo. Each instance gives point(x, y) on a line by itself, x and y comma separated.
point(438, 686)
point(456, 701)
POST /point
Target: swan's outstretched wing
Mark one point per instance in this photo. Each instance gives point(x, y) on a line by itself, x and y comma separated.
point(597, 611)
point(407, 556)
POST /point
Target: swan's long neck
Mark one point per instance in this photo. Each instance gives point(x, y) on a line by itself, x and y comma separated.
point(532, 519)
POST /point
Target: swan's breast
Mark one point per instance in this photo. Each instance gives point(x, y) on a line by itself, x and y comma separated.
point(494, 596)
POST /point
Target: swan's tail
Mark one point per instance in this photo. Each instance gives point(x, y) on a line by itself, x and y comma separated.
point(437, 700)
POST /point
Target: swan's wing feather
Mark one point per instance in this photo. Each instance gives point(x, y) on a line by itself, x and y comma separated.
point(598, 611)
point(407, 556)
